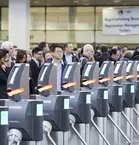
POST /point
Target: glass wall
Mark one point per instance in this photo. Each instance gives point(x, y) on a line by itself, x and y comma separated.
point(72, 24)
point(4, 24)
point(78, 25)
point(37, 25)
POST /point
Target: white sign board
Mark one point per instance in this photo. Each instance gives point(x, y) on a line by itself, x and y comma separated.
point(122, 21)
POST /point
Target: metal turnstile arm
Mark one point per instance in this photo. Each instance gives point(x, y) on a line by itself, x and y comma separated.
point(130, 123)
point(75, 130)
point(136, 112)
point(47, 127)
point(72, 121)
point(99, 131)
point(50, 138)
point(126, 138)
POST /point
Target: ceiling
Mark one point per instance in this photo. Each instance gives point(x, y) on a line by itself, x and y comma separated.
point(78, 2)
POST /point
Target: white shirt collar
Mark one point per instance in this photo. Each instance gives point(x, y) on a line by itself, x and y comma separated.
point(36, 61)
point(61, 61)
point(68, 55)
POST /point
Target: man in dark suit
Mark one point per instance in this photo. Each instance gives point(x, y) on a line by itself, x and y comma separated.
point(69, 56)
point(104, 56)
point(114, 55)
point(35, 65)
point(4, 72)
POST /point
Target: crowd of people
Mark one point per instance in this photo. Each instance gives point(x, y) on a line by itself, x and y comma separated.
point(61, 55)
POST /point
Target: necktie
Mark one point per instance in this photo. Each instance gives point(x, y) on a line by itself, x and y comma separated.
point(39, 64)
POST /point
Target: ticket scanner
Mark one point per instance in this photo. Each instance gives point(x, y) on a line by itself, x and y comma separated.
point(136, 118)
point(137, 86)
point(4, 125)
point(80, 104)
point(99, 103)
point(129, 87)
point(56, 107)
point(110, 80)
point(116, 104)
point(116, 90)
point(25, 116)
point(129, 100)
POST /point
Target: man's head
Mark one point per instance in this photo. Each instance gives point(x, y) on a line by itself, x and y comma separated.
point(44, 46)
point(88, 50)
point(115, 54)
point(56, 51)
point(124, 50)
point(4, 56)
point(47, 56)
point(103, 48)
point(8, 46)
point(37, 53)
point(68, 48)
point(15, 50)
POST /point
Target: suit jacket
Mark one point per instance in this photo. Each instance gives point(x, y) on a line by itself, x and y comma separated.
point(63, 67)
point(103, 57)
point(83, 60)
point(111, 59)
point(13, 60)
point(3, 82)
point(74, 58)
point(34, 71)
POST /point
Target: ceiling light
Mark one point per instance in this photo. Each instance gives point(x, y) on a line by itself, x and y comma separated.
point(75, 1)
point(122, 34)
point(36, 2)
point(116, 1)
point(110, 8)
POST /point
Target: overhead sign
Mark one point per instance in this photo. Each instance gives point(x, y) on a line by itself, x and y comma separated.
point(118, 21)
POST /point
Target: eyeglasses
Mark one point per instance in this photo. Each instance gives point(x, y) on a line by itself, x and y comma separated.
point(59, 51)
point(39, 53)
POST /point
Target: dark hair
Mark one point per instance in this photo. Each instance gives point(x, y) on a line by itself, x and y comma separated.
point(20, 55)
point(42, 44)
point(15, 46)
point(81, 51)
point(119, 48)
point(136, 52)
point(54, 46)
point(46, 53)
point(3, 53)
point(36, 50)
point(104, 48)
point(66, 45)
point(74, 49)
point(113, 51)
